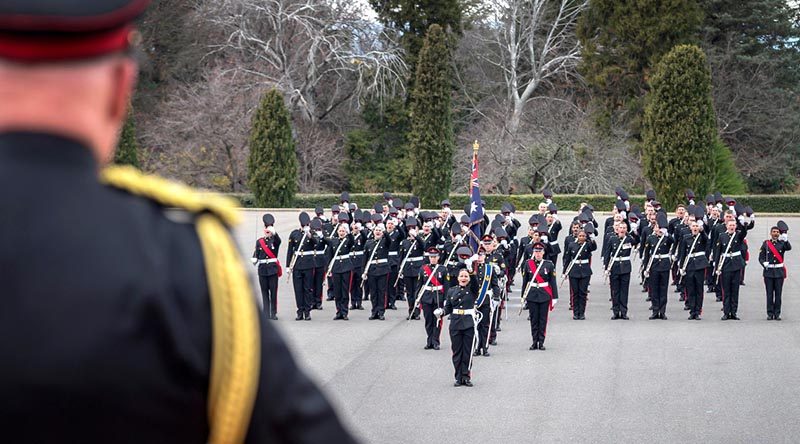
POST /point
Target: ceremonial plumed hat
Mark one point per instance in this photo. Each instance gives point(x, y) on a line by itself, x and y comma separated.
point(305, 219)
point(584, 217)
point(620, 205)
point(387, 195)
point(588, 207)
point(623, 194)
point(656, 204)
point(397, 203)
point(533, 220)
point(446, 203)
point(336, 209)
point(650, 194)
point(739, 208)
point(699, 212)
point(618, 191)
point(748, 210)
point(319, 210)
point(547, 193)
point(352, 207)
point(376, 218)
point(513, 208)
point(718, 197)
point(378, 207)
point(588, 229)
point(393, 211)
point(415, 201)
point(710, 199)
point(344, 217)
point(345, 197)
point(496, 224)
point(552, 208)
point(728, 201)
point(51, 30)
point(357, 214)
point(782, 227)
point(661, 219)
point(268, 219)
point(689, 194)
point(499, 218)
point(316, 224)
point(500, 233)
point(467, 209)
point(464, 219)
point(690, 210)
point(455, 229)
point(409, 206)
point(506, 208)
point(411, 221)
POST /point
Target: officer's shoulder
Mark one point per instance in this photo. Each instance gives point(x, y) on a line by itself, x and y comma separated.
point(169, 194)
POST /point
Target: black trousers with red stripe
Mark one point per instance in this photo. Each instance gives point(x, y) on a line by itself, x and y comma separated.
point(579, 291)
point(539, 312)
point(409, 284)
point(356, 293)
point(269, 293)
point(774, 295)
point(695, 290)
point(377, 286)
point(658, 287)
point(433, 326)
point(461, 344)
point(730, 282)
point(341, 291)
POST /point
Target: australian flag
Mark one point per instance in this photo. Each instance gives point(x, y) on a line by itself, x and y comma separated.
point(475, 207)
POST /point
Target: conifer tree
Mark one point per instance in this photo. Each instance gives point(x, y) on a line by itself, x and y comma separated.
point(272, 166)
point(127, 149)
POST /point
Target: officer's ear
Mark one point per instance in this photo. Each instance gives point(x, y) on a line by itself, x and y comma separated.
point(123, 74)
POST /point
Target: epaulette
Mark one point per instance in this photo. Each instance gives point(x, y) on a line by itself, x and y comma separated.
point(169, 193)
point(236, 345)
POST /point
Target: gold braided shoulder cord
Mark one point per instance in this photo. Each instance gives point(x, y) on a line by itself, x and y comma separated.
point(236, 352)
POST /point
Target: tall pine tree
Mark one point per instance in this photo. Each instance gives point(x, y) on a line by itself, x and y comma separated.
point(127, 152)
point(272, 166)
point(431, 138)
point(680, 126)
point(622, 41)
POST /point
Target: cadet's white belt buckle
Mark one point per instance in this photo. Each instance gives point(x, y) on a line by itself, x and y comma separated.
point(582, 262)
point(414, 259)
point(699, 253)
point(774, 265)
point(621, 259)
point(429, 288)
point(738, 253)
point(379, 261)
point(661, 256)
point(342, 257)
point(542, 285)
point(267, 261)
point(461, 312)
point(392, 253)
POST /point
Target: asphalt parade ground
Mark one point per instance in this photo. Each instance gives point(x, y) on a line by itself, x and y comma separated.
point(599, 380)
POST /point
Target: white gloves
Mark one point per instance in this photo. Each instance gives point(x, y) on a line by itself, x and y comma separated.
point(306, 229)
point(469, 261)
point(412, 232)
point(634, 226)
point(700, 222)
point(663, 231)
point(682, 272)
point(691, 201)
point(504, 243)
point(253, 260)
point(370, 226)
point(784, 237)
point(765, 264)
point(458, 238)
point(544, 238)
point(438, 312)
point(548, 201)
point(318, 234)
point(271, 230)
point(553, 304)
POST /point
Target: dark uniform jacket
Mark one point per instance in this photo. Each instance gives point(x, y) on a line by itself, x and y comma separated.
point(734, 260)
point(107, 336)
point(357, 252)
point(460, 298)
point(768, 260)
point(343, 261)
point(394, 239)
point(266, 265)
point(622, 265)
point(380, 260)
point(494, 282)
point(697, 256)
point(552, 236)
point(305, 252)
point(541, 291)
point(413, 252)
point(432, 293)
point(661, 256)
point(583, 261)
point(322, 253)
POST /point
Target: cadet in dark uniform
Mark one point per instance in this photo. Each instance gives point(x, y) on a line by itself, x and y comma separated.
point(659, 262)
point(376, 271)
point(394, 238)
point(578, 268)
point(341, 267)
point(693, 259)
point(772, 257)
point(115, 336)
point(300, 257)
point(729, 261)
point(412, 250)
point(486, 277)
point(494, 257)
point(265, 257)
point(359, 234)
point(553, 229)
point(540, 294)
point(460, 305)
point(432, 285)
point(320, 257)
point(617, 263)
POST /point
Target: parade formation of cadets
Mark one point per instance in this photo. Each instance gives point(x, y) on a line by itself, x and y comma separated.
point(395, 252)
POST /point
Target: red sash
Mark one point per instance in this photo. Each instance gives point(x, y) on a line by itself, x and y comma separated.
point(428, 272)
point(777, 255)
point(270, 254)
point(539, 279)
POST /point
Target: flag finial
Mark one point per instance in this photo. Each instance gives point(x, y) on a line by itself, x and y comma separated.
point(475, 146)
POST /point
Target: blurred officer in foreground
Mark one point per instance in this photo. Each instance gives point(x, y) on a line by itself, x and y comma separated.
point(138, 324)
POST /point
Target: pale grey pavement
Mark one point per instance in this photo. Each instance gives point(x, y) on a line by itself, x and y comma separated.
point(599, 380)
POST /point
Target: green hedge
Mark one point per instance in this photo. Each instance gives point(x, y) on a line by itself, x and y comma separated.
point(778, 203)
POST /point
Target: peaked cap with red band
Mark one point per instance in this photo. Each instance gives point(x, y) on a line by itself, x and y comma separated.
point(61, 30)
